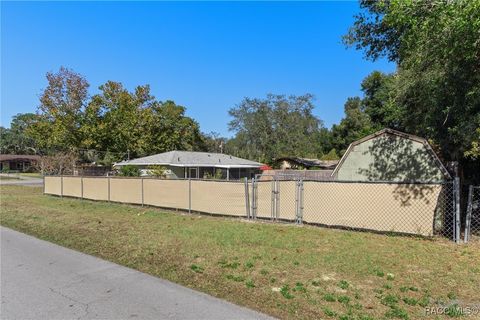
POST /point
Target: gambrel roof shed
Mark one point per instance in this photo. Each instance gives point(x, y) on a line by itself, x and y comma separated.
point(390, 155)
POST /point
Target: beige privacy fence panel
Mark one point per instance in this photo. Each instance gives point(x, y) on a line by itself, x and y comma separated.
point(421, 209)
point(53, 185)
point(226, 198)
point(126, 190)
point(381, 207)
point(166, 193)
point(95, 188)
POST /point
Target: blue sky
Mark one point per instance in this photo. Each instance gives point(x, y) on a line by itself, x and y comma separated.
point(205, 56)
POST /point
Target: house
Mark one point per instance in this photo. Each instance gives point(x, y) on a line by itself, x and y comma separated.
point(296, 163)
point(17, 162)
point(390, 155)
point(197, 165)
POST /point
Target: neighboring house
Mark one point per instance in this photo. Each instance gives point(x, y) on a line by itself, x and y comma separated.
point(390, 155)
point(197, 165)
point(296, 163)
point(317, 175)
point(17, 162)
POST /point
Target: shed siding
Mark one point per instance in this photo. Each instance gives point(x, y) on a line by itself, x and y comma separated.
point(390, 158)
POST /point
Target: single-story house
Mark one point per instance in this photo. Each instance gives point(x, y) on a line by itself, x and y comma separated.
point(296, 163)
point(17, 162)
point(390, 155)
point(197, 165)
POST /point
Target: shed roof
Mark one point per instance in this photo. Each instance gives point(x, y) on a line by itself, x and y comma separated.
point(192, 159)
point(399, 134)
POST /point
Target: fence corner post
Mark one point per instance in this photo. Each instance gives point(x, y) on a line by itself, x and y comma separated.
point(468, 218)
point(457, 209)
point(254, 199)
point(142, 192)
point(189, 195)
point(299, 202)
point(247, 199)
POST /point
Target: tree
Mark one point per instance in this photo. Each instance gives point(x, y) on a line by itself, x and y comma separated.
point(275, 126)
point(355, 125)
point(378, 101)
point(437, 85)
point(214, 142)
point(60, 111)
point(15, 140)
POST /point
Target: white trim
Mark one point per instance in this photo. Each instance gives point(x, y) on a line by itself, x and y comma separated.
point(225, 166)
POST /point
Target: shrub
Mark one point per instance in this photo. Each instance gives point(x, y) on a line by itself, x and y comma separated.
point(129, 171)
point(157, 171)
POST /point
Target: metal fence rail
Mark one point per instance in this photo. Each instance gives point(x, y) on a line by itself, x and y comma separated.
point(424, 209)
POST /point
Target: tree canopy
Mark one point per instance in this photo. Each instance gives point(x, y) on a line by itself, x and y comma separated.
point(435, 91)
point(115, 120)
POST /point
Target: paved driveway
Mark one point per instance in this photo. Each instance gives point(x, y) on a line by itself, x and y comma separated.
point(41, 280)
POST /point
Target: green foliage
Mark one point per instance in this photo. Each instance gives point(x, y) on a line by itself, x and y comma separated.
point(410, 301)
point(331, 155)
point(196, 268)
point(389, 300)
point(115, 119)
point(157, 171)
point(285, 291)
point(217, 176)
point(343, 299)
point(129, 171)
point(249, 283)
point(396, 312)
point(15, 140)
point(275, 126)
point(328, 312)
point(435, 92)
point(329, 297)
point(343, 284)
point(355, 125)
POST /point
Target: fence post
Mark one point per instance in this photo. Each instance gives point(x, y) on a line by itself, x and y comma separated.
point(142, 191)
point(468, 219)
point(43, 177)
point(277, 199)
point(189, 195)
point(272, 206)
point(457, 209)
point(297, 200)
point(108, 180)
point(61, 186)
point(254, 198)
point(247, 199)
point(81, 186)
point(300, 198)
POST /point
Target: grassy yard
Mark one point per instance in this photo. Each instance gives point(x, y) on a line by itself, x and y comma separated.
point(283, 270)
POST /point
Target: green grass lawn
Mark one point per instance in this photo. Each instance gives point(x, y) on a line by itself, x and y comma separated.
point(283, 270)
point(8, 177)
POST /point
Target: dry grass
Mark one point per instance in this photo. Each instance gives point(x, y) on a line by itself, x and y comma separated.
point(283, 270)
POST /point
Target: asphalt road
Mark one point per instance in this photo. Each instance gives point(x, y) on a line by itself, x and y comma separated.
point(40, 280)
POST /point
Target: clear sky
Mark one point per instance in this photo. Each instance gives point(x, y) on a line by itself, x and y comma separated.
point(205, 56)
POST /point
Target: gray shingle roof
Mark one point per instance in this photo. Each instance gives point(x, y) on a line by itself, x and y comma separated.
point(193, 159)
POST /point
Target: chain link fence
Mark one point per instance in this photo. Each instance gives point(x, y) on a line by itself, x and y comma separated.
point(421, 209)
point(472, 219)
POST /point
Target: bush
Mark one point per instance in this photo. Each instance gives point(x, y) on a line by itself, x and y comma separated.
point(157, 171)
point(129, 171)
